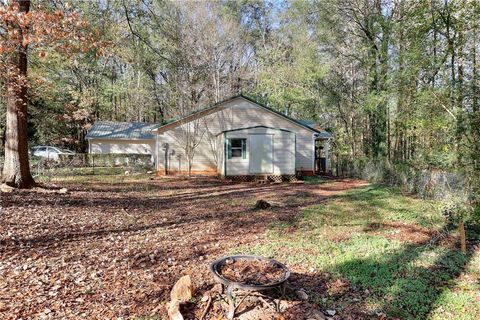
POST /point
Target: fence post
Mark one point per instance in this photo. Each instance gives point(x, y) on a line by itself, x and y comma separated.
point(463, 241)
point(93, 164)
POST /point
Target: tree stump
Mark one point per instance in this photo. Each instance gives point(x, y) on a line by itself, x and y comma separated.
point(262, 205)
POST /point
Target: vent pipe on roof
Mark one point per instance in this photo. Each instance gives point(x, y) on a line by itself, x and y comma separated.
point(287, 111)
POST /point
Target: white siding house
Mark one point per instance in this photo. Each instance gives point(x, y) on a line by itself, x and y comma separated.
point(124, 146)
point(239, 137)
point(121, 138)
point(258, 151)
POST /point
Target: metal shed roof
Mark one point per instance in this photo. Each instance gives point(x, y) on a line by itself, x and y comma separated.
point(121, 130)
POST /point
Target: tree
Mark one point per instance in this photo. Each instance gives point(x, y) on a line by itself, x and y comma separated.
point(16, 170)
point(21, 28)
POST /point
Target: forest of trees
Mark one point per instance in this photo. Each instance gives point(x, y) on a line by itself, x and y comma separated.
point(394, 81)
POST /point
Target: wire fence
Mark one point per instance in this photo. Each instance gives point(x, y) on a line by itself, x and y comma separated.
point(427, 183)
point(88, 164)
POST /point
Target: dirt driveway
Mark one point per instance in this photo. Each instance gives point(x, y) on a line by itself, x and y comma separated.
point(114, 247)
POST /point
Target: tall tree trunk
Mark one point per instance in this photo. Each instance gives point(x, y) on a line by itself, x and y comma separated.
point(16, 169)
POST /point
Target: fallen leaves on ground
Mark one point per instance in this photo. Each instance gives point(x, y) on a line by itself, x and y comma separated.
point(112, 249)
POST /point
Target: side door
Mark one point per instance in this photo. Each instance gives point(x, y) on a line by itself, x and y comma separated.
point(261, 153)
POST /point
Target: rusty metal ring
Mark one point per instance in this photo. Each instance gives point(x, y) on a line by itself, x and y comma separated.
point(214, 268)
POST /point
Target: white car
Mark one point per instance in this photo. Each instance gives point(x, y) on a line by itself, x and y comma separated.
point(50, 153)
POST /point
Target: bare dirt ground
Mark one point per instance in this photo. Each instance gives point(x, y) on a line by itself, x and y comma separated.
point(114, 248)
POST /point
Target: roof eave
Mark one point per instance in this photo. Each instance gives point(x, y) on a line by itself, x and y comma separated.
point(114, 138)
point(253, 127)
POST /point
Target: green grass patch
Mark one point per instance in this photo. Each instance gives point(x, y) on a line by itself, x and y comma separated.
point(376, 239)
point(315, 180)
point(79, 174)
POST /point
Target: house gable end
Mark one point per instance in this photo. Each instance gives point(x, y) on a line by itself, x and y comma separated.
point(230, 103)
point(230, 116)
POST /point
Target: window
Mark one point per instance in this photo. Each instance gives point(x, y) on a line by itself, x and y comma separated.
point(237, 148)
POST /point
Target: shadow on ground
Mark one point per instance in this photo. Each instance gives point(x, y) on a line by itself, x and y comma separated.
point(225, 203)
point(406, 284)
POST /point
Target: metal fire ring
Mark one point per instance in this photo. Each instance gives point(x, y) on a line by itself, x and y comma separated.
point(215, 269)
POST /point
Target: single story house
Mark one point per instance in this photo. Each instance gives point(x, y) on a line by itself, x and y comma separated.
point(121, 137)
point(239, 137)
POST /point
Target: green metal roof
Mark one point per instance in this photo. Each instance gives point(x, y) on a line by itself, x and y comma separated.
point(121, 130)
point(308, 122)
